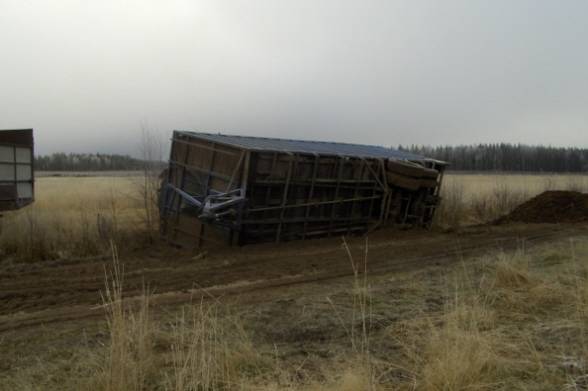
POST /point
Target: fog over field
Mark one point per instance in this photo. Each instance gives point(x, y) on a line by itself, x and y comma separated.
point(88, 75)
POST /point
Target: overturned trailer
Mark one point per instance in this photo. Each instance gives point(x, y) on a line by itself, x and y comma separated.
point(16, 169)
point(222, 189)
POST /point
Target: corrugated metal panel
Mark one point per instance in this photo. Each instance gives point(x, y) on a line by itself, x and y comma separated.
point(301, 146)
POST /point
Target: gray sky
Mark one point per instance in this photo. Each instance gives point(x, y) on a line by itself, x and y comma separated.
point(88, 74)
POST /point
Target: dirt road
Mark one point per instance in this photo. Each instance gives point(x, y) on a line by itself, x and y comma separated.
point(46, 292)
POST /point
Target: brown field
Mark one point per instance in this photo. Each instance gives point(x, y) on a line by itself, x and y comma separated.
point(465, 306)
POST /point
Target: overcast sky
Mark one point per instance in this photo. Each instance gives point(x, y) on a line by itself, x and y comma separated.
point(87, 75)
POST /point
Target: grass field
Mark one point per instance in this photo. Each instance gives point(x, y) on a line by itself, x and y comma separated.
point(480, 198)
point(75, 216)
point(79, 215)
point(512, 316)
point(477, 184)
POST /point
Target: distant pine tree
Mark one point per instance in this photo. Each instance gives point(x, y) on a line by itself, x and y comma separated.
point(87, 162)
point(507, 157)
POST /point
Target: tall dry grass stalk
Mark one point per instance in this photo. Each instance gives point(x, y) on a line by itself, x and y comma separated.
point(211, 351)
point(151, 150)
point(454, 350)
point(208, 348)
point(360, 339)
point(129, 360)
point(499, 202)
point(359, 327)
point(452, 211)
point(459, 355)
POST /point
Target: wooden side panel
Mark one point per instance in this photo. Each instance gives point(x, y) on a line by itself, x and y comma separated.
point(295, 196)
point(197, 167)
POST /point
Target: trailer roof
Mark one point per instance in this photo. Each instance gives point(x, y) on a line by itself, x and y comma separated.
point(22, 137)
point(304, 146)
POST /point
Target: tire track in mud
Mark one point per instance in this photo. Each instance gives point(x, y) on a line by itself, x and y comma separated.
point(67, 282)
point(245, 276)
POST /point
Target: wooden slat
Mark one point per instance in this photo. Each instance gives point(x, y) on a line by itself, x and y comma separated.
point(356, 190)
point(315, 203)
point(285, 198)
point(341, 164)
point(310, 193)
point(235, 171)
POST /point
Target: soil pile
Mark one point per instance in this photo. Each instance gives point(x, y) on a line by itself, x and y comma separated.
point(551, 207)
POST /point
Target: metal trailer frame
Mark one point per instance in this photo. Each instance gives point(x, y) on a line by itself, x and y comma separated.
point(11, 190)
point(239, 190)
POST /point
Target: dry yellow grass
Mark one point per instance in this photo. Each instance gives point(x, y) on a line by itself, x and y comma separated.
point(58, 194)
point(475, 185)
point(73, 216)
point(480, 198)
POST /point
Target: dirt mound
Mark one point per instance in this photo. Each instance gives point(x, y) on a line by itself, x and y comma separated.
point(551, 207)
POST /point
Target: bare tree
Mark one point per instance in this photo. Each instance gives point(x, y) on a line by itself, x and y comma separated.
point(152, 158)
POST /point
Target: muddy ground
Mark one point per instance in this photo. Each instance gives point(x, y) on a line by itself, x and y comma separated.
point(44, 292)
point(280, 290)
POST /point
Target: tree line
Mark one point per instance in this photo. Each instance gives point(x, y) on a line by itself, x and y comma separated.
point(507, 157)
point(481, 157)
point(87, 162)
